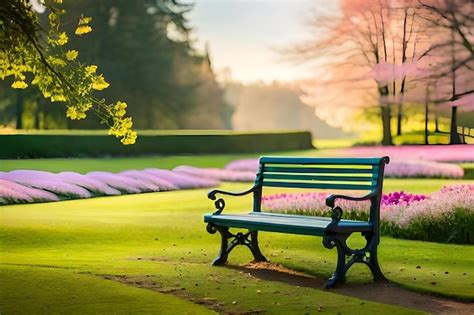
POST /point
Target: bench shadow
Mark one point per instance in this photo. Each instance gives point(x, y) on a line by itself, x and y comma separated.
point(381, 292)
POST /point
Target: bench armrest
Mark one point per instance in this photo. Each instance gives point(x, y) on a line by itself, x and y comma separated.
point(212, 194)
point(336, 214)
point(220, 203)
point(331, 199)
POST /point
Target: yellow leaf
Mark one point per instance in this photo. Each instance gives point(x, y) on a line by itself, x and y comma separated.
point(91, 69)
point(83, 29)
point(99, 83)
point(71, 55)
point(19, 85)
point(62, 40)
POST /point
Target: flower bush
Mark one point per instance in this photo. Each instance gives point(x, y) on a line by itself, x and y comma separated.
point(397, 168)
point(225, 175)
point(444, 216)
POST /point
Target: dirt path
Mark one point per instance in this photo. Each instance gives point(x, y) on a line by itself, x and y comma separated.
point(386, 293)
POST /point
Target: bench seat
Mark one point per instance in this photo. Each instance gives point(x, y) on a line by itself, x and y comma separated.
point(286, 223)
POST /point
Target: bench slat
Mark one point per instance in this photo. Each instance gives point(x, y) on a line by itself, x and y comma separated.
point(318, 170)
point(321, 177)
point(306, 225)
point(330, 161)
point(316, 185)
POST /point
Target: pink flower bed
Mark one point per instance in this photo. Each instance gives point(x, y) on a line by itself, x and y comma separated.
point(181, 180)
point(46, 181)
point(425, 217)
point(11, 192)
point(26, 186)
point(226, 175)
point(397, 168)
point(440, 153)
point(244, 165)
point(94, 185)
point(125, 184)
point(161, 184)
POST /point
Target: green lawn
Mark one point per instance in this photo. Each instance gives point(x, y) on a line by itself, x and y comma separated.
point(119, 164)
point(150, 253)
point(67, 256)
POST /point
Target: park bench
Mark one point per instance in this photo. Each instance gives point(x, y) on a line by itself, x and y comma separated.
point(349, 174)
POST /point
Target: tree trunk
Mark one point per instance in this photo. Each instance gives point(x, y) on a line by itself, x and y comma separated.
point(385, 114)
point(436, 122)
point(399, 119)
point(19, 110)
point(426, 122)
point(37, 114)
point(454, 136)
point(427, 103)
point(386, 125)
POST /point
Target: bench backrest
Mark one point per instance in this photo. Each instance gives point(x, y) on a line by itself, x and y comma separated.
point(364, 174)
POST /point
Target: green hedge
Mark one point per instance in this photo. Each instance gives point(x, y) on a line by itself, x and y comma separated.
point(93, 143)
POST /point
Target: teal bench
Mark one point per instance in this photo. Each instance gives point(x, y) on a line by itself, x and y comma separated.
point(349, 174)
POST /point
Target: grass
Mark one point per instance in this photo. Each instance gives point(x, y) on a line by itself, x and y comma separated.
point(134, 254)
point(119, 164)
point(66, 256)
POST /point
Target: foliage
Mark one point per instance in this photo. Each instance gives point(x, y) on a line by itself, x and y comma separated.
point(38, 55)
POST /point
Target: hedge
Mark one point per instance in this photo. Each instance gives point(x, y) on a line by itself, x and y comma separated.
point(94, 143)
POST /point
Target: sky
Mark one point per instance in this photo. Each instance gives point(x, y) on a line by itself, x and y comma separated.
point(245, 35)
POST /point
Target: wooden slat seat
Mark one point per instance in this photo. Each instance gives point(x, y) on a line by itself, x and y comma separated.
point(285, 223)
point(351, 174)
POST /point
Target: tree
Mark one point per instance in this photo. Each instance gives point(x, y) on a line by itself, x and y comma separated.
point(453, 22)
point(367, 41)
point(35, 55)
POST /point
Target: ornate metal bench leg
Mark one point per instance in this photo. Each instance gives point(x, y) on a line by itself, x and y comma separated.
point(373, 264)
point(248, 239)
point(224, 250)
point(339, 276)
point(254, 248)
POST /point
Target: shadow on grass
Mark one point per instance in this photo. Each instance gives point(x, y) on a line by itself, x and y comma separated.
point(381, 292)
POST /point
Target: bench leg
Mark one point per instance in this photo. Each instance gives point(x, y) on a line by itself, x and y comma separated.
point(356, 256)
point(339, 276)
point(249, 239)
point(254, 248)
point(373, 263)
point(224, 250)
